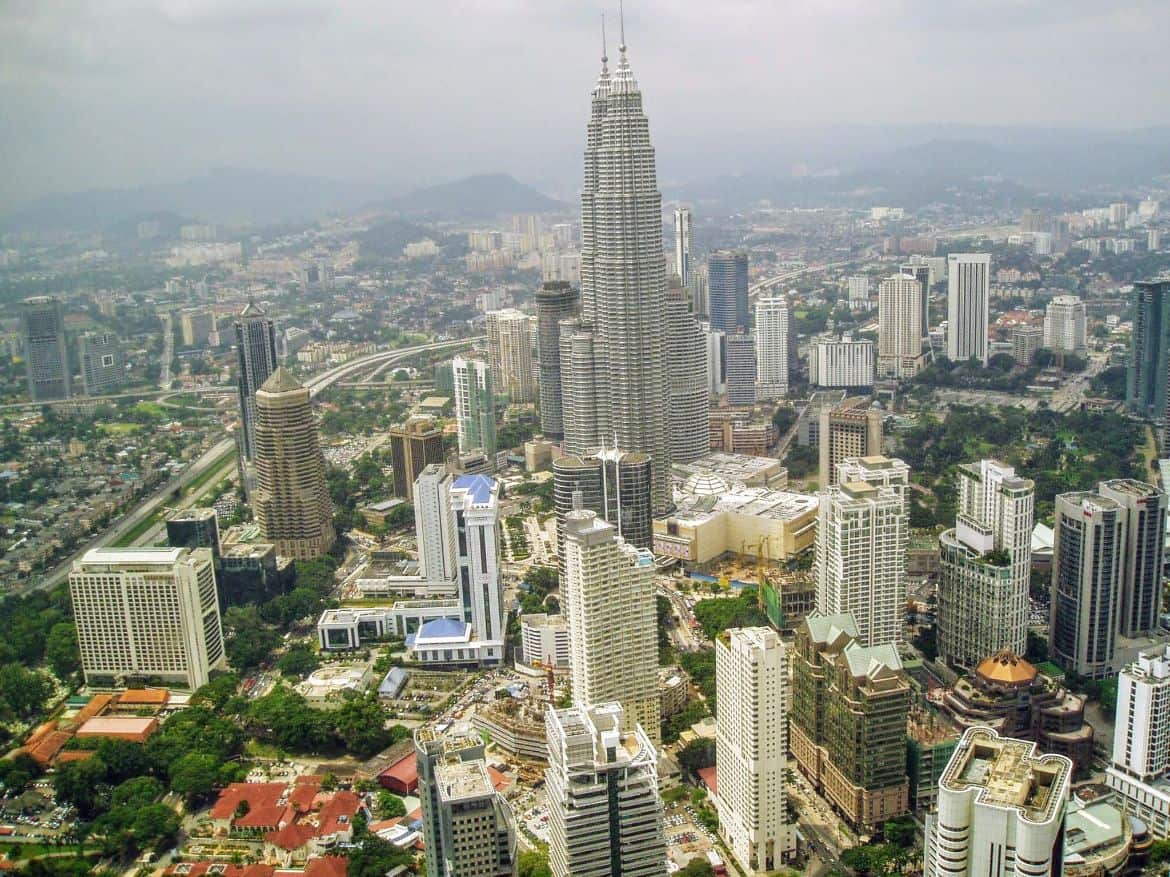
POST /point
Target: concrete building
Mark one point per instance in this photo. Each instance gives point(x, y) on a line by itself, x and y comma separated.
point(556, 301)
point(751, 746)
point(741, 369)
point(468, 827)
point(727, 291)
point(1001, 809)
point(877, 471)
point(923, 273)
point(146, 613)
point(608, 600)
point(544, 640)
point(682, 245)
point(858, 288)
point(1144, 509)
point(605, 815)
point(46, 352)
point(584, 416)
point(1026, 340)
point(103, 368)
point(841, 362)
point(686, 364)
point(1140, 772)
point(509, 343)
point(860, 558)
point(985, 563)
point(930, 741)
point(347, 629)
point(256, 356)
point(968, 299)
point(291, 500)
point(776, 358)
point(193, 528)
point(1064, 325)
point(195, 326)
point(900, 329)
point(413, 446)
point(475, 501)
point(1149, 357)
point(614, 484)
point(434, 526)
point(848, 721)
point(849, 429)
point(475, 406)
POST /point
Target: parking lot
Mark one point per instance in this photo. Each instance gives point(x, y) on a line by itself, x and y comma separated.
point(686, 837)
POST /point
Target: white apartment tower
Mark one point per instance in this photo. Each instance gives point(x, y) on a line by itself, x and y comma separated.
point(605, 815)
point(608, 601)
point(1000, 810)
point(775, 348)
point(475, 413)
point(682, 245)
point(858, 286)
point(509, 339)
point(860, 558)
point(900, 327)
point(150, 612)
point(841, 362)
point(434, 524)
point(1140, 772)
point(1064, 324)
point(475, 502)
point(985, 565)
point(968, 300)
point(686, 360)
point(751, 742)
point(879, 471)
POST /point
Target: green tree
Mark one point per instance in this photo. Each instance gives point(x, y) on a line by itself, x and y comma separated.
point(390, 806)
point(61, 649)
point(532, 863)
point(373, 857)
point(697, 867)
point(360, 723)
point(136, 792)
point(155, 825)
point(194, 775)
point(17, 772)
point(22, 692)
point(298, 661)
point(83, 784)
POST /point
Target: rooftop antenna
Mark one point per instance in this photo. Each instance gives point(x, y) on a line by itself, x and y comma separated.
point(622, 24)
point(604, 53)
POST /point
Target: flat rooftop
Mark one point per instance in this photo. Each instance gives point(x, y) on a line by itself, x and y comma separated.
point(133, 556)
point(1009, 774)
point(463, 780)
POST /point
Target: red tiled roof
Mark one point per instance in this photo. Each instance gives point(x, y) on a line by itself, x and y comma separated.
point(73, 755)
point(47, 746)
point(326, 866)
point(293, 836)
point(707, 775)
point(405, 770)
point(337, 813)
point(265, 805)
point(200, 869)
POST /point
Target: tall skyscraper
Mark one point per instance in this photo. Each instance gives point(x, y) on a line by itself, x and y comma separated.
point(475, 406)
point(968, 300)
point(556, 301)
point(985, 566)
point(1148, 377)
point(413, 446)
point(605, 816)
point(608, 601)
point(291, 500)
point(686, 368)
point(878, 471)
point(1140, 772)
point(860, 558)
point(147, 612)
point(612, 483)
point(103, 369)
point(775, 347)
point(1064, 324)
point(46, 353)
point(509, 339)
point(475, 500)
point(727, 290)
point(751, 746)
point(1141, 583)
point(1000, 810)
point(741, 369)
point(256, 352)
point(900, 328)
point(682, 245)
point(849, 429)
point(925, 277)
point(623, 384)
point(585, 417)
point(468, 827)
point(434, 525)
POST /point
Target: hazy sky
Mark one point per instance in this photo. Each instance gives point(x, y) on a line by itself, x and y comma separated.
point(97, 93)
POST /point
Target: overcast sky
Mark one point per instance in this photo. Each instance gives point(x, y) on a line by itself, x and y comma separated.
point(98, 93)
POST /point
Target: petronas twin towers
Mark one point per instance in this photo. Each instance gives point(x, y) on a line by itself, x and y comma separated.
point(615, 386)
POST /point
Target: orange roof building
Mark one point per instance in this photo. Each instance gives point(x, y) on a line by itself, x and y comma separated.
point(137, 698)
point(1006, 668)
point(136, 729)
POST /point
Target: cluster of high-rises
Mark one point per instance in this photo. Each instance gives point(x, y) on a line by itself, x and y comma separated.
point(46, 354)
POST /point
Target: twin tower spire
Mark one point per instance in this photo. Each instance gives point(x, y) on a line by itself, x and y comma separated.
point(604, 81)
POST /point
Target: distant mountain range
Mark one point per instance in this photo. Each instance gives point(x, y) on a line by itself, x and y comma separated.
point(474, 198)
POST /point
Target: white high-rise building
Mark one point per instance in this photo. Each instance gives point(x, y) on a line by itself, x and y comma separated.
point(509, 338)
point(475, 502)
point(716, 343)
point(608, 601)
point(860, 558)
point(843, 362)
point(900, 328)
point(150, 612)
point(985, 566)
point(775, 348)
point(968, 300)
point(682, 245)
point(858, 286)
point(475, 410)
point(605, 815)
point(1064, 324)
point(751, 745)
point(1140, 772)
point(434, 525)
point(686, 359)
point(880, 472)
point(1000, 810)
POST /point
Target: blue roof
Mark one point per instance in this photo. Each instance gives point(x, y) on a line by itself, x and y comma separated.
point(479, 486)
point(442, 627)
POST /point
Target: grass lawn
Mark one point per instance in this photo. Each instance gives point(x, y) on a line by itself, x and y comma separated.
point(129, 537)
point(256, 749)
point(151, 408)
point(119, 428)
point(32, 850)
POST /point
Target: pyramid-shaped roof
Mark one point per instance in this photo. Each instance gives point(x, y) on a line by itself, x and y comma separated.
point(281, 381)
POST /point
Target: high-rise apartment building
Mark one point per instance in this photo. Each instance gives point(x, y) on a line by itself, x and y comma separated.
point(256, 353)
point(847, 728)
point(860, 558)
point(195, 325)
point(775, 348)
point(878, 471)
point(475, 501)
point(46, 353)
point(968, 300)
point(434, 525)
point(741, 369)
point(620, 384)
point(985, 566)
point(841, 362)
point(103, 368)
point(1064, 324)
point(1140, 772)
point(612, 483)
point(291, 500)
point(686, 367)
point(1000, 810)
point(475, 406)
point(1145, 509)
point(900, 329)
point(1149, 354)
point(509, 340)
point(727, 290)
point(716, 344)
point(924, 274)
point(147, 613)
point(608, 601)
point(682, 245)
point(414, 445)
point(468, 827)
point(849, 429)
point(556, 301)
point(1026, 340)
point(858, 287)
point(751, 747)
point(605, 815)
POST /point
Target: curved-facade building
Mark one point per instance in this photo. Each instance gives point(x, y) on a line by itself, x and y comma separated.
point(686, 366)
point(613, 484)
point(556, 301)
